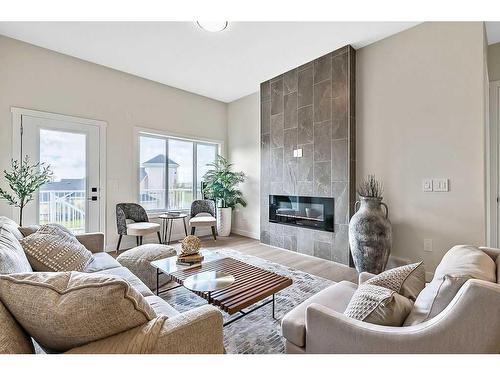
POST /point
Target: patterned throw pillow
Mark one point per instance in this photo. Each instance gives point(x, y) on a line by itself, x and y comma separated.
point(407, 280)
point(55, 249)
point(377, 305)
point(63, 310)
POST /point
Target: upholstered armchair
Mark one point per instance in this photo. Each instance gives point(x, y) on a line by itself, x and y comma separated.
point(203, 215)
point(469, 324)
point(132, 220)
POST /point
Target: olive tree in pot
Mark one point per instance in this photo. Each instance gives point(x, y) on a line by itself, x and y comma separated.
point(221, 185)
point(24, 180)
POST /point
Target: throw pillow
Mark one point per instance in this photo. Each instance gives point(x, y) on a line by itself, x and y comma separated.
point(30, 229)
point(54, 248)
point(459, 264)
point(64, 310)
point(378, 305)
point(407, 280)
point(12, 257)
point(11, 226)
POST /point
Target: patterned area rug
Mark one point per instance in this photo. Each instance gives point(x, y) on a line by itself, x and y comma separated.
point(258, 332)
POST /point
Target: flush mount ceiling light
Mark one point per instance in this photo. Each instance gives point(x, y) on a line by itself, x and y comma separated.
point(212, 26)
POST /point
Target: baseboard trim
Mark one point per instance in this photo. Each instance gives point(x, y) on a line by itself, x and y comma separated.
point(246, 233)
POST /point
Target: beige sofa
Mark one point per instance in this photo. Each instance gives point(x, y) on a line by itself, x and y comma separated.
point(195, 331)
point(469, 324)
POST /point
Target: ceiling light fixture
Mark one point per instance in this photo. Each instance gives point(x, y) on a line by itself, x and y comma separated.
point(212, 26)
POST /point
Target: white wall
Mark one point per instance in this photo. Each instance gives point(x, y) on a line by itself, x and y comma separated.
point(243, 137)
point(36, 78)
point(420, 113)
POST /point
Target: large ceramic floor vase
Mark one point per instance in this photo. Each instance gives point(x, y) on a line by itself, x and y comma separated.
point(370, 235)
point(224, 221)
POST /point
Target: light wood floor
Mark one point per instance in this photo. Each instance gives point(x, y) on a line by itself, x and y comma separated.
point(315, 266)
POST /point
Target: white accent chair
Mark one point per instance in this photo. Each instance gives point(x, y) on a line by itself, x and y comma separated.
point(469, 324)
point(203, 215)
point(132, 220)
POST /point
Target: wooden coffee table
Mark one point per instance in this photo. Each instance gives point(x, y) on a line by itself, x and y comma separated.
point(252, 285)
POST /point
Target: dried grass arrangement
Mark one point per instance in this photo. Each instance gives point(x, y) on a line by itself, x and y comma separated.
point(370, 187)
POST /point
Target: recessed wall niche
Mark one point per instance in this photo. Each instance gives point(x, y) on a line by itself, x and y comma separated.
point(310, 111)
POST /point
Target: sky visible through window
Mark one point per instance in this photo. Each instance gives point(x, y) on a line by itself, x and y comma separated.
point(65, 152)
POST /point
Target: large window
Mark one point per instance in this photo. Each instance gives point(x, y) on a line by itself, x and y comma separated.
point(178, 164)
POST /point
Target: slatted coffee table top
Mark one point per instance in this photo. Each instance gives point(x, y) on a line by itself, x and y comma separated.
point(252, 284)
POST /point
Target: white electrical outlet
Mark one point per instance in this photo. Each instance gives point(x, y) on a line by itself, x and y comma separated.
point(440, 184)
point(427, 184)
point(428, 245)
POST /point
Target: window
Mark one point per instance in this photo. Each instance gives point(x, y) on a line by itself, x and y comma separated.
point(177, 163)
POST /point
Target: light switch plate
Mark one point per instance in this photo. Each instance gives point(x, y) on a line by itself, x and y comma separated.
point(427, 184)
point(297, 153)
point(440, 184)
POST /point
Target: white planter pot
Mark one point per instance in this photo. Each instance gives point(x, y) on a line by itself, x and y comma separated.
point(224, 221)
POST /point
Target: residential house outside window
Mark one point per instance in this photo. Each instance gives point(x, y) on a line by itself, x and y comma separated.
point(177, 163)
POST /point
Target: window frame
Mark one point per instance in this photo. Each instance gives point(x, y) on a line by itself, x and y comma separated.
point(142, 132)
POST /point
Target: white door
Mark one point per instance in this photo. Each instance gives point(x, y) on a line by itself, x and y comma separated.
point(71, 149)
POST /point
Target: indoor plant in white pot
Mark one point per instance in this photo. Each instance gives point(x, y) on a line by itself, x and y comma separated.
point(221, 185)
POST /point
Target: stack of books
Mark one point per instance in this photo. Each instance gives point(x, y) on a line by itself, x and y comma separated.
point(190, 259)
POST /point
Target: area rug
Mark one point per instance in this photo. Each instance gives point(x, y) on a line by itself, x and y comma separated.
point(258, 332)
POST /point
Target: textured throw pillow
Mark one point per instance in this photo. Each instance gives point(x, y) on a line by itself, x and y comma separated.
point(12, 257)
point(30, 229)
point(378, 305)
point(459, 264)
point(63, 310)
point(407, 280)
point(54, 248)
point(11, 226)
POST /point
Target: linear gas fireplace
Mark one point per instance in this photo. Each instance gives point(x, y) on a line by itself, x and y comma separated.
point(308, 212)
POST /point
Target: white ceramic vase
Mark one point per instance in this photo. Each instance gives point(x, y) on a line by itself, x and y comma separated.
point(224, 221)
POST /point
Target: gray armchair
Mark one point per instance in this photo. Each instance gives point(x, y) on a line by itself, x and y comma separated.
point(203, 215)
point(132, 220)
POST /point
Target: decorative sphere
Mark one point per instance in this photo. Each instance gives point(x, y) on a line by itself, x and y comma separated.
point(190, 245)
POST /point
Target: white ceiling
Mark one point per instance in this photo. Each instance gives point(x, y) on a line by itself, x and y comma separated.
point(223, 66)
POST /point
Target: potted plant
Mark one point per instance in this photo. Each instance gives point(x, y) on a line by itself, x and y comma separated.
point(370, 231)
point(24, 180)
point(221, 185)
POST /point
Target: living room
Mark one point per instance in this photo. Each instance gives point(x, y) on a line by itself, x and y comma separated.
point(249, 187)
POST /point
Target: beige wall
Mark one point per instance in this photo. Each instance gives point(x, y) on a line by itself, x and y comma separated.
point(36, 78)
point(494, 62)
point(244, 151)
point(420, 113)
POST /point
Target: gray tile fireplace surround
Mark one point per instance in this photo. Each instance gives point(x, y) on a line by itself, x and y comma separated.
point(311, 108)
